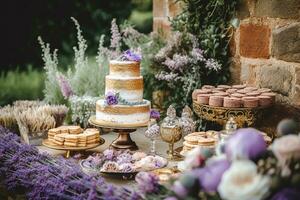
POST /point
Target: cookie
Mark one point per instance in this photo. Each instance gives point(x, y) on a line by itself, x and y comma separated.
point(70, 144)
point(237, 95)
point(253, 94)
point(74, 129)
point(206, 141)
point(189, 145)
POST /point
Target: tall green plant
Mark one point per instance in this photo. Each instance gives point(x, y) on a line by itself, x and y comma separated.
point(52, 90)
point(210, 21)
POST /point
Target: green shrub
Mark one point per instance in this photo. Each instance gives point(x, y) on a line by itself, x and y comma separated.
point(16, 85)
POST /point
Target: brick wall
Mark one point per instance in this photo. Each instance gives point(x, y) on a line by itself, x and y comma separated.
point(266, 47)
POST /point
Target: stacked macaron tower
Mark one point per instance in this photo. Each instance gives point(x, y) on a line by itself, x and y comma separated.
point(73, 136)
point(236, 96)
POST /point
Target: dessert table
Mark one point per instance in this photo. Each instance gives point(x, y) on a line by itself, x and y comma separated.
point(142, 142)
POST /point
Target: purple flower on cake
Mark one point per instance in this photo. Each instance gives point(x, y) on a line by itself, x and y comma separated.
point(246, 143)
point(111, 98)
point(65, 86)
point(147, 182)
point(131, 56)
point(154, 114)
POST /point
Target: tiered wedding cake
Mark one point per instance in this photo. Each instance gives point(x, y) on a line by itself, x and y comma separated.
point(123, 103)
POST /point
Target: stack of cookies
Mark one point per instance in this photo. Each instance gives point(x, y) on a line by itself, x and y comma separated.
point(206, 139)
point(236, 96)
point(73, 136)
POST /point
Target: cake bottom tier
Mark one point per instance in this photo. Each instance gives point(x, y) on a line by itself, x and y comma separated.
point(123, 114)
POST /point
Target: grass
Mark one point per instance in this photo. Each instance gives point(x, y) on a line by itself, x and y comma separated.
point(19, 85)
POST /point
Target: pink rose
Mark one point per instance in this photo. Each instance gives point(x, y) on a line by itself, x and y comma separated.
point(285, 148)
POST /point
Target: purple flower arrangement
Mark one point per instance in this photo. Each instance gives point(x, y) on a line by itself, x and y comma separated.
point(65, 86)
point(40, 176)
point(247, 170)
point(131, 56)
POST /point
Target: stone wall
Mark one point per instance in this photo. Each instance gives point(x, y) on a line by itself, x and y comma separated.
point(163, 11)
point(266, 47)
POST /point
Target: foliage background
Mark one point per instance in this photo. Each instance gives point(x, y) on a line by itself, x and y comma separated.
point(23, 21)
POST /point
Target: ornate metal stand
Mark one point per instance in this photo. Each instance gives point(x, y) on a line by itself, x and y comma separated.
point(220, 115)
point(123, 141)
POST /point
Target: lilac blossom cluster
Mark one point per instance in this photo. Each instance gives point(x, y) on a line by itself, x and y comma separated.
point(23, 168)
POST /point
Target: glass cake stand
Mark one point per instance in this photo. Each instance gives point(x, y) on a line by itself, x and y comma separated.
point(123, 141)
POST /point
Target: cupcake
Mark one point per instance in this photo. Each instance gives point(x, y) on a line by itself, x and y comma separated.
point(222, 94)
point(270, 94)
point(253, 94)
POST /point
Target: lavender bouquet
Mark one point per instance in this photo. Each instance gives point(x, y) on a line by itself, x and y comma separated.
point(247, 170)
point(41, 176)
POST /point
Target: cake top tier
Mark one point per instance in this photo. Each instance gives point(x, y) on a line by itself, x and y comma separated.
point(124, 68)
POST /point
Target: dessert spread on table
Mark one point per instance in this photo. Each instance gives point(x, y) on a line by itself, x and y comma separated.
point(73, 136)
point(236, 96)
point(113, 161)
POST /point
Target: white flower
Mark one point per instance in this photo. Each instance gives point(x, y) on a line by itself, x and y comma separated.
point(286, 148)
point(241, 181)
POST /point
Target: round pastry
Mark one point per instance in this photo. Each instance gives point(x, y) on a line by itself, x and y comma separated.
point(231, 91)
point(237, 95)
point(250, 102)
point(216, 101)
point(270, 94)
point(264, 90)
point(224, 86)
point(147, 163)
point(253, 94)
point(126, 167)
point(213, 134)
point(193, 138)
point(189, 145)
point(138, 155)
point(209, 141)
point(220, 89)
point(250, 88)
point(195, 93)
point(208, 87)
point(265, 100)
point(222, 94)
point(242, 91)
point(110, 166)
point(160, 162)
point(232, 102)
point(238, 86)
point(203, 99)
point(124, 158)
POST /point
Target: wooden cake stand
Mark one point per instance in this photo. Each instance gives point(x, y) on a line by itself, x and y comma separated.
point(124, 140)
point(242, 116)
point(69, 150)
